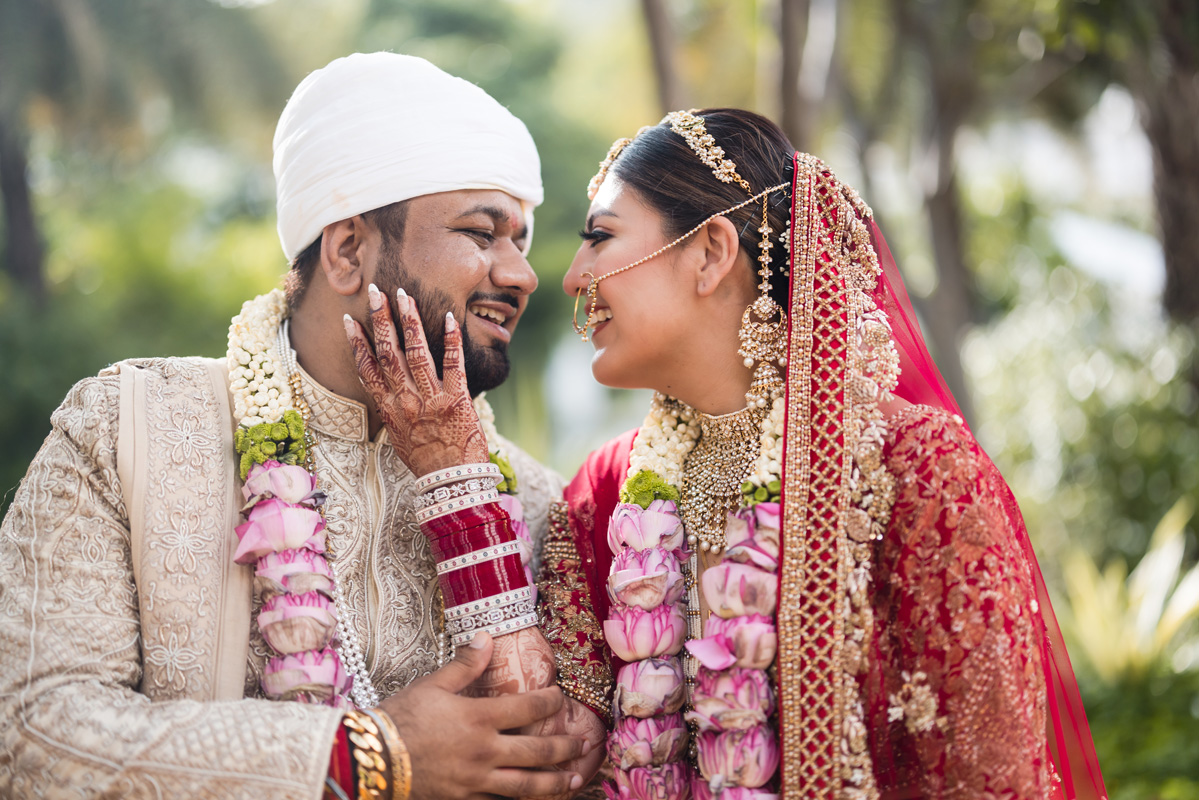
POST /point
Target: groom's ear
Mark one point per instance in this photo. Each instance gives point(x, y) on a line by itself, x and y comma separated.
point(721, 248)
point(345, 248)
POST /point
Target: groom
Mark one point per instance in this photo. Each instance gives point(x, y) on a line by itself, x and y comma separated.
point(129, 664)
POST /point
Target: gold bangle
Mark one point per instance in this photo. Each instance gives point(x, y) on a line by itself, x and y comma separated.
point(369, 754)
point(401, 762)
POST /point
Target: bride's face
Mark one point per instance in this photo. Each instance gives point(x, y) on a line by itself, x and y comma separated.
point(642, 313)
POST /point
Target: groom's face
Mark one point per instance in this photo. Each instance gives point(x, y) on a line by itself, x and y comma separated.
point(463, 252)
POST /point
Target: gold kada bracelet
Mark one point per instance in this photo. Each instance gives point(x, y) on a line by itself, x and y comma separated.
point(401, 762)
point(370, 755)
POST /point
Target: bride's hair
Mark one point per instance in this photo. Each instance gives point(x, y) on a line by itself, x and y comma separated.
point(671, 179)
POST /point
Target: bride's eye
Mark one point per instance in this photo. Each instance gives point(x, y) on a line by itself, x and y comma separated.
point(594, 237)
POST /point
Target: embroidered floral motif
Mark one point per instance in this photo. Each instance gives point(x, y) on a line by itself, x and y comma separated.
point(915, 703)
point(962, 679)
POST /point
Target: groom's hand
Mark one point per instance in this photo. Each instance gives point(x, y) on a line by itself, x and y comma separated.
point(458, 746)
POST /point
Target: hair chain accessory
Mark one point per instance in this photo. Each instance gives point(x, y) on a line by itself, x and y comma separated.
point(695, 133)
point(613, 153)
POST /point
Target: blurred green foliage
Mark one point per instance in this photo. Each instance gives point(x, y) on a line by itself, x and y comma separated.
point(158, 215)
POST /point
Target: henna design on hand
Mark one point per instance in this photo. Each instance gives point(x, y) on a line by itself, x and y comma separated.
point(432, 423)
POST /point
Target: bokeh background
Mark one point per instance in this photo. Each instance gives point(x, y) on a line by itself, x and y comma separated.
point(1034, 164)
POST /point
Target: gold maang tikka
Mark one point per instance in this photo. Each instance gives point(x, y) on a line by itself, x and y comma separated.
point(763, 332)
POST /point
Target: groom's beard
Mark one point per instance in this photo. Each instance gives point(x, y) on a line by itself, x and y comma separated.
point(486, 366)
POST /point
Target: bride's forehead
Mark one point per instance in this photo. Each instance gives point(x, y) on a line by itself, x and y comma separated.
point(616, 198)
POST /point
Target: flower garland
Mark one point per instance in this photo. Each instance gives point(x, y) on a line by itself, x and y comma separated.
point(732, 698)
point(318, 658)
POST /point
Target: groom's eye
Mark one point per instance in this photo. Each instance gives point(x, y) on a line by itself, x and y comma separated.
point(487, 237)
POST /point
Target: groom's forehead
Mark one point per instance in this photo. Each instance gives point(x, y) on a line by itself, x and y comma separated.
point(499, 208)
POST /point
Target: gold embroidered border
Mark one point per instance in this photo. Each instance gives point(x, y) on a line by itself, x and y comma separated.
point(568, 619)
point(838, 495)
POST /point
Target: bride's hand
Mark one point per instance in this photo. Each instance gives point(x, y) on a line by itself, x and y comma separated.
point(432, 423)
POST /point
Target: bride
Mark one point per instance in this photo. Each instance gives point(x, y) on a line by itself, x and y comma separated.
point(802, 575)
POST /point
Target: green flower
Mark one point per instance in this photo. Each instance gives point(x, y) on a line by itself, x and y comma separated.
point(279, 432)
point(508, 484)
point(645, 487)
point(752, 493)
point(294, 423)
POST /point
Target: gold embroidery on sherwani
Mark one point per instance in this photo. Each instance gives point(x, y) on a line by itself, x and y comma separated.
point(71, 619)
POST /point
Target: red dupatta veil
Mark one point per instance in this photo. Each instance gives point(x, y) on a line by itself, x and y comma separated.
point(853, 334)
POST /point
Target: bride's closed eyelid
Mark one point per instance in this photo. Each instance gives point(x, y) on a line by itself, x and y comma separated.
point(594, 237)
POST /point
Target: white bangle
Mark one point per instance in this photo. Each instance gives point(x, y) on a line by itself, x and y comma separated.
point(450, 491)
point(424, 515)
point(461, 472)
point(508, 626)
point(489, 618)
point(487, 603)
point(478, 557)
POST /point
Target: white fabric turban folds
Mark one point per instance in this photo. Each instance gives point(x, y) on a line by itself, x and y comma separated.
point(373, 129)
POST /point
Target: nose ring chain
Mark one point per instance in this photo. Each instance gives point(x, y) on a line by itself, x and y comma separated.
point(592, 288)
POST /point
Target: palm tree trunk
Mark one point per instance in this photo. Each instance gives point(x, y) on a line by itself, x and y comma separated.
point(23, 251)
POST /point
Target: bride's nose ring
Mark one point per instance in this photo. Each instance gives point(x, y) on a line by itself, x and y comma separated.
point(592, 288)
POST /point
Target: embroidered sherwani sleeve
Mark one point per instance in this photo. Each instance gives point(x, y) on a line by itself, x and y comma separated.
point(963, 676)
point(72, 722)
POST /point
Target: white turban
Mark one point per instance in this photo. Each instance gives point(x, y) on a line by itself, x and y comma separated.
point(373, 129)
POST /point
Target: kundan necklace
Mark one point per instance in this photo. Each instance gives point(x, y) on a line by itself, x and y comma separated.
point(714, 472)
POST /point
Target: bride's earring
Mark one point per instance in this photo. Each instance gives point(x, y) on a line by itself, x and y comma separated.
point(763, 333)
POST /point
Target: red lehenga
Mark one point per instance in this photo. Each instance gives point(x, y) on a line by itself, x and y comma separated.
point(918, 652)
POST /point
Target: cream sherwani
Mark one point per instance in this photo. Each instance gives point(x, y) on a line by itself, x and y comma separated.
point(128, 663)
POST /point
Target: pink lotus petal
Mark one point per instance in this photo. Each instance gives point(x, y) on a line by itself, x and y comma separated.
point(752, 639)
point(746, 758)
point(315, 673)
point(634, 634)
point(667, 782)
point(293, 572)
point(273, 526)
point(737, 590)
point(287, 482)
point(649, 687)
point(714, 652)
point(296, 623)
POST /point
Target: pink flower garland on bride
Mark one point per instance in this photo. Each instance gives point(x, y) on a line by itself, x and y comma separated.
point(732, 703)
